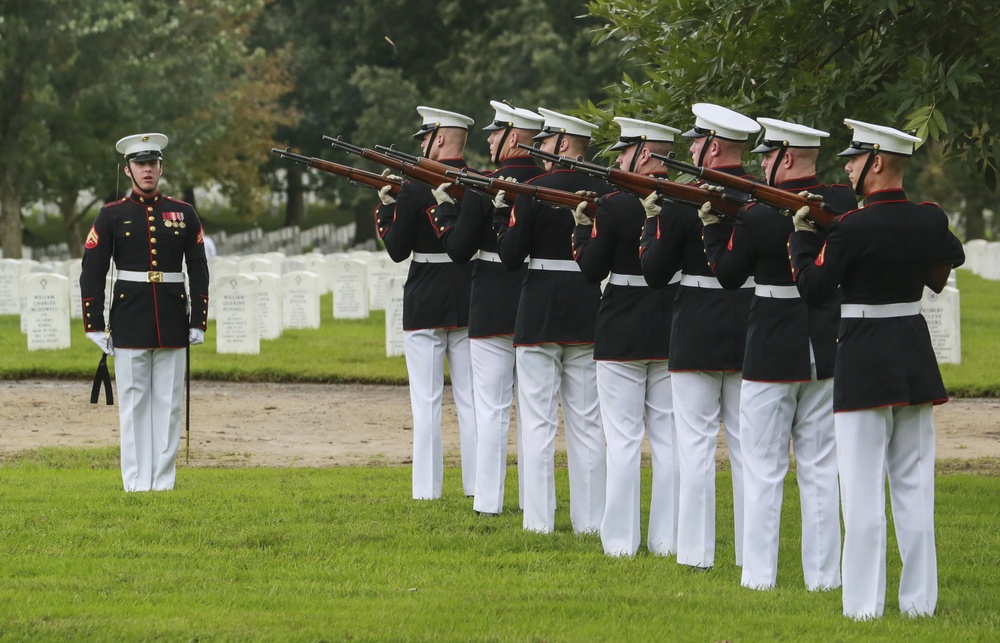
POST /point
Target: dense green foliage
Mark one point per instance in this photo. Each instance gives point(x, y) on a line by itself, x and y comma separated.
point(344, 554)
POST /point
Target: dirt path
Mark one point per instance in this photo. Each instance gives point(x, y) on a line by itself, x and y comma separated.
point(317, 425)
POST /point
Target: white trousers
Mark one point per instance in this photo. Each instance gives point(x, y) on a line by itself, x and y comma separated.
point(771, 415)
point(628, 391)
point(546, 374)
point(150, 403)
point(493, 384)
point(898, 441)
point(701, 398)
point(425, 352)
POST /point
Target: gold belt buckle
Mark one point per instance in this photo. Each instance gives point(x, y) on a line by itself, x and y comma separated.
point(154, 277)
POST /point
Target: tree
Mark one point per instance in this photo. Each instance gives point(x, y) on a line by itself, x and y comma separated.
point(922, 65)
point(75, 77)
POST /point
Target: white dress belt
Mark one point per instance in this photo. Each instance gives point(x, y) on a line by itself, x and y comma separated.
point(627, 280)
point(701, 281)
point(563, 265)
point(436, 257)
point(880, 311)
point(492, 257)
point(151, 277)
point(776, 292)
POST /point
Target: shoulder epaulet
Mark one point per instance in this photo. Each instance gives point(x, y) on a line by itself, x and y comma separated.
point(170, 198)
point(849, 212)
point(535, 178)
point(112, 204)
point(936, 205)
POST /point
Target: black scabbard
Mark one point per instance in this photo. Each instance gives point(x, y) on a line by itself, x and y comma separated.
point(103, 376)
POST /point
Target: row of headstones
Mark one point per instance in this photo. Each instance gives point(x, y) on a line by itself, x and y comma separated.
point(291, 300)
point(324, 238)
point(983, 258)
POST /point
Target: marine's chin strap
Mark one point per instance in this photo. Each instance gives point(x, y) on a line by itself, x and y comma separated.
point(635, 157)
point(425, 149)
point(704, 148)
point(859, 187)
point(782, 150)
point(503, 139)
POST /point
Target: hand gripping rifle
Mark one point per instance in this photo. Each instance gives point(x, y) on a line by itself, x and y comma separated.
point(548, 196)
point(416, 172)
point(352, 174)
point(641, 185)
point(819, 212)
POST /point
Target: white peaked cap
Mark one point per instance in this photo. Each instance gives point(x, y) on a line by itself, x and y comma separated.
point(509, 116)
point(636, 131)
point(722, 122)
point(784, 134)
point(556, 123)
point(142, 147)
point(433, 118)
point(868, 137)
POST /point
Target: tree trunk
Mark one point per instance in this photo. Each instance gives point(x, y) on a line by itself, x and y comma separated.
point(189, 196)
point(11, 226)
point(296, 208)
point(364, 225)
point(71, 225)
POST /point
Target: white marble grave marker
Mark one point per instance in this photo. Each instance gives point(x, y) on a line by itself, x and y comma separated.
point(269, 301)
point(394, 316)
point(349, 282)
point(46, 310)
point(944, 321)
point(238, 322)
point(300, 299)
point(10, 286)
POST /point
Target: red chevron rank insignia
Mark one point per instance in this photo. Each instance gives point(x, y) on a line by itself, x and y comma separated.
point(92, 239)
point(201, 236)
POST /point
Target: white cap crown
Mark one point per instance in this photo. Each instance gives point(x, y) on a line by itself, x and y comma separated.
point(510, 116)
point(556, 123)
point(636, 131)
point(784, 134)
point(433, 118)
point(142, 147)
point(868, 137)
point(721, 122)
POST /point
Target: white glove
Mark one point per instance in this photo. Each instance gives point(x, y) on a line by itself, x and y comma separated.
point(384, 196)
point(440, 195)
point(650, 205)
point(811, 196)
point(103, 341)
point(801, 220)
point(580, 216)
point(498, 200)
point(196, 336)
point(705, 214)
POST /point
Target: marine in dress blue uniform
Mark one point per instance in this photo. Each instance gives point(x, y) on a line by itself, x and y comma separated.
point(886, 377)
point(707, 339)
point(466, 230)
point(150, 238)
point(435, 309)
point(787, 390)
point(554, 340)
point(631, 348)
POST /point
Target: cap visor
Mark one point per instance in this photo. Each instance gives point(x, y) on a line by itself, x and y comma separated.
point(763, 149)
point(620, 145)
point(541, 135)
point(145, 156)
point(853, 151)
point(492, 127)
point(693, 133)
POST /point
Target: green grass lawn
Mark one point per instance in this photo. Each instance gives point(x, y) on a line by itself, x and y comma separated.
point(354, 351)
point(344, 554)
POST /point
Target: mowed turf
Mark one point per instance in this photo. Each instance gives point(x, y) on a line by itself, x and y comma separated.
point(344, 554)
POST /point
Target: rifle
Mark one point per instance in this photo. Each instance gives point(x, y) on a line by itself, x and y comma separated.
point(352, 174)
point(548, 196)
point(416, 172)
point(819, 212)
point(642, 185)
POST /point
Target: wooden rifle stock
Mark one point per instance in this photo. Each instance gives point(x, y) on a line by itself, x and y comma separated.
point(820, 213)
point(352, 174)
point(641, 185)
point(417, 173)
point(548, 196)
